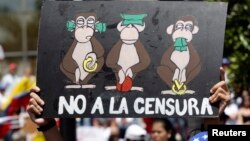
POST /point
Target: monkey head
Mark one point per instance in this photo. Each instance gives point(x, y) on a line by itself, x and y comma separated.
point(185, 27)
point(84, 28)
point(130, 34)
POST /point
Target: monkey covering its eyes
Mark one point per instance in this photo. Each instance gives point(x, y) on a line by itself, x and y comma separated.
point(128, 56)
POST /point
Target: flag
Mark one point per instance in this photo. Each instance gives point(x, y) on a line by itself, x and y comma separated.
point(202, 136)
point(4, 129)
point(18, 102)
point(24, 86)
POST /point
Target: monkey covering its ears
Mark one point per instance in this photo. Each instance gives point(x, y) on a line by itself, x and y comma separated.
point(85, 56)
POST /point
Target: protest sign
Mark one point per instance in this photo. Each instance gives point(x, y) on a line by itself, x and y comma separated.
point(129, 58)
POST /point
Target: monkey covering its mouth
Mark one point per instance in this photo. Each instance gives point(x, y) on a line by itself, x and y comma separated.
point(180, 64)
point(180, 44)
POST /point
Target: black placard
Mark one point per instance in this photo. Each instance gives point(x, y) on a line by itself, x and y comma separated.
point(129, 58)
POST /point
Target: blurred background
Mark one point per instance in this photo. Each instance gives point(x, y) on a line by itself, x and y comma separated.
point(19, 26)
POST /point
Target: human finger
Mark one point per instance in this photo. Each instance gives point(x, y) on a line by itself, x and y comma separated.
point(222, 74)
point(37, 98)
point(219, 93)
point(34, 110)
point(35, 89)
point(33, 102)
point(221, 84)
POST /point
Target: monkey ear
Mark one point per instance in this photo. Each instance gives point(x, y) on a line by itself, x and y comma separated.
point(170, 29)
point(140, 28)
point(195, 30)
point(120, 26)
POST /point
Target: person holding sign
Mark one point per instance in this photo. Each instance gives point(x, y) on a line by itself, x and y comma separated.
point(220, 94)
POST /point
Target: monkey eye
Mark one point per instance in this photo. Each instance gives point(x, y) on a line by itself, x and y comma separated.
point(90, 22)
point(189, 27)
point(80, 22)
point(179, 26)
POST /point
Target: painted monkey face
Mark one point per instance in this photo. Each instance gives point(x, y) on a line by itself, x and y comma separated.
point(130, 33)
point(183, 30)
point(84, 28)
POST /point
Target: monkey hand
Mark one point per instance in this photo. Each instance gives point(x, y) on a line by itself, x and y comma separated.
point(89, 64)
point(129, 73)
point(94, 58)
point(121, 76)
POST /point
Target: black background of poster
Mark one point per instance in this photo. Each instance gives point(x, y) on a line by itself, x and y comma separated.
point(55, 40)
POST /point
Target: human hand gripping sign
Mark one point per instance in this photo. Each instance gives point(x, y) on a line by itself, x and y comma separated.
point(220, 93)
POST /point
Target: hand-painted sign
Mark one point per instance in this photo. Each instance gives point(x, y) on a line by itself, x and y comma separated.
point(129, 58)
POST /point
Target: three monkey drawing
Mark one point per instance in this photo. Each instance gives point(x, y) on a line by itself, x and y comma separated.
point(179, 64)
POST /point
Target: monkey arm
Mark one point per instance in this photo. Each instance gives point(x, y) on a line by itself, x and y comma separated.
point(167, 67)
point(100, 62)
point(97, 47)
point(166, 74)
point(68, 65)
point(194, 65)
point(144, 59)
point(113, 57)
point(165, 60)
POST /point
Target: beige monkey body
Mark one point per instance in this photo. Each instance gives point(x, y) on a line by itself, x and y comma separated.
point(79, 55)
point(128, 56)
point(181, 60)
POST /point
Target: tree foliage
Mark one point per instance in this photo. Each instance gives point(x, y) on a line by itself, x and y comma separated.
point(237, 43)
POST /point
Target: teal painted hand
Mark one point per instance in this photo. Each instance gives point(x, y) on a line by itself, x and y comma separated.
point(70, 25)
point(101, 27)
point(133, 19)
point(180, 44)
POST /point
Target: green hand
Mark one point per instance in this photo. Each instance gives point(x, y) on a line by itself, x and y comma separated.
point(70, 25)
point(101, 27)
point(180, 44)
point(133, 19)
